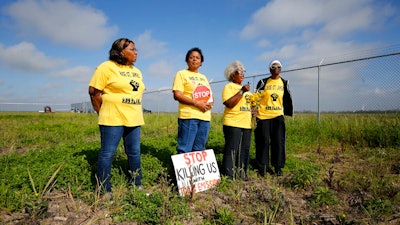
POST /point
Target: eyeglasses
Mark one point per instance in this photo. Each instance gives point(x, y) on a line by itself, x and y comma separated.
point(240, 71)
point(275, 67)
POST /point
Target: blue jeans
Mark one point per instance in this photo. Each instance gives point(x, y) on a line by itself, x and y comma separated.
point(192, 135)
point(110, 138)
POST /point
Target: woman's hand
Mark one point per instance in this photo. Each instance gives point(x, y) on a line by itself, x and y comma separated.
point(203, 106)
point(246, 87)
point(254, 112)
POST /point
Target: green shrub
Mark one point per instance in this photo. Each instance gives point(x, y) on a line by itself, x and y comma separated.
point(323, 196)
point(377, 208)
point(224, 217)
point(303, 178)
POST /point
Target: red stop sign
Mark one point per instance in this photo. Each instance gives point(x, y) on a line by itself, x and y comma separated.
point(201, 93)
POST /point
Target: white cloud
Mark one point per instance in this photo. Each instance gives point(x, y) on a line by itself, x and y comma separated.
point(78, 73)
point(332, 16)
point(160, 69)
point(62, 22)
point(284, 52)
point(310, 30)
point(148, 46)
point(281, 16)
point(25, 57)
point(263, 43)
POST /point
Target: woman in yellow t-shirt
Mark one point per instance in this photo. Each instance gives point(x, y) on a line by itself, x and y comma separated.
point(116, 90)
point(193, 92)
point(236, 122)
point(270, 133)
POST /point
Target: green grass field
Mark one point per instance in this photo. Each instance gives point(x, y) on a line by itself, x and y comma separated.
point(345, 170)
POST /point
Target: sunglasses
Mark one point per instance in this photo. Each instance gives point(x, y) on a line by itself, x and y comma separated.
point(240, 71)
point(275, 67)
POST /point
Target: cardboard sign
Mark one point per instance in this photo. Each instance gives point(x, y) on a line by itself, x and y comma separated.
point(196, 171)
point(202, 93)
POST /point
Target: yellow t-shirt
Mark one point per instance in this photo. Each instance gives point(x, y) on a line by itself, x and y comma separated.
point(240, 114)
point(187, 81)
point(271, 104)
point(123, 88)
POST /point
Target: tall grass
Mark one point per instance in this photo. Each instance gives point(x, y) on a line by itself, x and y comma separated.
point(361, 130)
point(346, 154)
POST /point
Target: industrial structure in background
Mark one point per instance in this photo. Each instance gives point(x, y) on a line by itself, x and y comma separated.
point(82, 107)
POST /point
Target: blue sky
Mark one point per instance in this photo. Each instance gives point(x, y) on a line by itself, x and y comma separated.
point(49, 48)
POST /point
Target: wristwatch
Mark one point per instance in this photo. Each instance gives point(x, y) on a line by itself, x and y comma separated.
point(241, 92)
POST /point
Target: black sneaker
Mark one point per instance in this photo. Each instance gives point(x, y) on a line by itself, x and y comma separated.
point(262, 173)
point(270, 171)
point(278, 172)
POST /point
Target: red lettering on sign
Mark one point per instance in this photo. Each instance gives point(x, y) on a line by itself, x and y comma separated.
point(192, 157)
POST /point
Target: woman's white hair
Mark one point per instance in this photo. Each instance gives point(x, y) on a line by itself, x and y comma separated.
point(232, 68)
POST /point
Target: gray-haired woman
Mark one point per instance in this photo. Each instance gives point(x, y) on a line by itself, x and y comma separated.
point(236, 122)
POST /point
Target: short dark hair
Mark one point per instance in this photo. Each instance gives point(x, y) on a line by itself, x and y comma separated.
point(196, 49)
point(116, 50)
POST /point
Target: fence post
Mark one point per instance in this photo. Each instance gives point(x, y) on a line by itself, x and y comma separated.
point(319, 113)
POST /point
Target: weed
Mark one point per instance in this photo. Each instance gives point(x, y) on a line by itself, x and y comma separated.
point(302, 178)
point(329, 179)
point(224, 216)
point(377, 208)
point(38, 208)
point(323, 196)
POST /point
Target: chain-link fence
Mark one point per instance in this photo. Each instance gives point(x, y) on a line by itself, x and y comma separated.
point(364, 84)
point(369, 83)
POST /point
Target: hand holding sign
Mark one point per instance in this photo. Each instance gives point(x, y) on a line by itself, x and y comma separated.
point(202, 96)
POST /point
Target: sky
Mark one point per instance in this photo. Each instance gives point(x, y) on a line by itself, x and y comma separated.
point(50, 48)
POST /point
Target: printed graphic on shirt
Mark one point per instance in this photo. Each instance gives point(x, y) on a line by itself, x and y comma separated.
point(128, 74)
point(246, 107)
point(135, 85)
point(274, 91)
point(273, 108)
point(195, 79)
point(273, 87)
point(133, 101)
point(274, 96)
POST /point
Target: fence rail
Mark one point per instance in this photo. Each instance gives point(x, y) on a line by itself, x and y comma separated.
point(369, 83)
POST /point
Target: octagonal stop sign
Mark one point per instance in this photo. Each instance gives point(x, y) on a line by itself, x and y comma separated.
point(201, 93)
